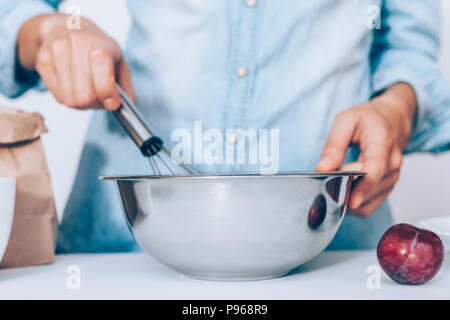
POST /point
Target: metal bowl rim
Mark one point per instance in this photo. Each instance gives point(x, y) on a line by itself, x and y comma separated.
point(240, 175)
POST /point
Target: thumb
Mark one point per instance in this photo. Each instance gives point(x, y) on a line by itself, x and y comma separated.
point(339, 139)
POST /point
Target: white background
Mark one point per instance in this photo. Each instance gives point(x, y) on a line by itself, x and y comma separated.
point(423, 190)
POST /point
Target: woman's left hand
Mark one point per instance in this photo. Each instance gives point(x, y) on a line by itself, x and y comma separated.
point(382, 128)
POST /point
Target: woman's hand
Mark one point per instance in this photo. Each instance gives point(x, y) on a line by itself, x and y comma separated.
point(79, 67)
point(382, 128)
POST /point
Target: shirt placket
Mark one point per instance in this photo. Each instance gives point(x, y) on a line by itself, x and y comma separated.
point(242, 64)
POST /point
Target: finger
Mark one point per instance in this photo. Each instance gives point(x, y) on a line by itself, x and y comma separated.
point(385, 185)
point(375, 154)
point(124, 78)
point(47, 72)
point(102, 67)
point(388, 181)
point(84, 93)
point(62, 60)
point(375, 168)
point(353, 166)
point(396, 159)
point(340, 137)
point(367, 209)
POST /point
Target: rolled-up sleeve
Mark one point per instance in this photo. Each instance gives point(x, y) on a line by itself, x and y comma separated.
point(13, 14)
point(405, 50)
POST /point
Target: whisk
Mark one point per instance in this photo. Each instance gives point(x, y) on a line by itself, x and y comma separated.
point(151, 146)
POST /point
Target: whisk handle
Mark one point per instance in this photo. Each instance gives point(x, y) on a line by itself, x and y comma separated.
point(132, 121)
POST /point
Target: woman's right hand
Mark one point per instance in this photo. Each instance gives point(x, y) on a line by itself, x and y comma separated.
point(79, 67)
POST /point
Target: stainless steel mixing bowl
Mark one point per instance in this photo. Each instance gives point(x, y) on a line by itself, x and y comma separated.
point(235, 227)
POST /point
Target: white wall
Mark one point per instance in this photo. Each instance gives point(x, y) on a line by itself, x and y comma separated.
point(423, 190)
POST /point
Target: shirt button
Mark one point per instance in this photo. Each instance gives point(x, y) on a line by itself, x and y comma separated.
point(251, 3)
point(242, 72)
point(232, 139)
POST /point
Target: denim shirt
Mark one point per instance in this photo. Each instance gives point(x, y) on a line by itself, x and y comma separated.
point(286, 65)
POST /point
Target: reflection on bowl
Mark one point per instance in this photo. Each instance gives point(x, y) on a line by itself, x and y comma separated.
point(317, 212)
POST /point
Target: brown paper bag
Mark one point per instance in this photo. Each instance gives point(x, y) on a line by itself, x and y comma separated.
point(33, 234)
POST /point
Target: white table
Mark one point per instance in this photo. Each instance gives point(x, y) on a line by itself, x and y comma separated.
point(332, 275)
